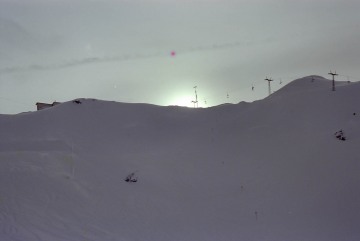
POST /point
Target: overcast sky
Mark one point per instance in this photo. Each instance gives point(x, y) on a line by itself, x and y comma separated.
point(156, 51)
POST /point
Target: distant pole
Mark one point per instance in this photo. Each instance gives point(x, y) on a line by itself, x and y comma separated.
point(269, 80)
point(333, 79)
point(196, 99)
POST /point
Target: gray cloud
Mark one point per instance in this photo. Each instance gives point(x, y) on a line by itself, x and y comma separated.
point(125, 57)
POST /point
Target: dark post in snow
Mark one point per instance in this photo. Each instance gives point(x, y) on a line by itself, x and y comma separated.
point(269, 80)
point(333, 79)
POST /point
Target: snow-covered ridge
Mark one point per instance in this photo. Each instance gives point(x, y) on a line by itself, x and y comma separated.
point(268, 170)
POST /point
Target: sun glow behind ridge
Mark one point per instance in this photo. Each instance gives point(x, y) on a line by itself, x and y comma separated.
point(181, 100)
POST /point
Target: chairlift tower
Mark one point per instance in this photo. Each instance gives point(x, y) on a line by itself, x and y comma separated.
point(269, 80)
point(333, 79)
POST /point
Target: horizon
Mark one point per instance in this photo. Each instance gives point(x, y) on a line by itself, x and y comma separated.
point(192, 104)
point(314, 78)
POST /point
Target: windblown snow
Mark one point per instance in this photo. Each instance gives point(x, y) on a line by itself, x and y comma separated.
point(269, 170)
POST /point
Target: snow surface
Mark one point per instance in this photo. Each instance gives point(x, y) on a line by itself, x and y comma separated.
point(268, 170)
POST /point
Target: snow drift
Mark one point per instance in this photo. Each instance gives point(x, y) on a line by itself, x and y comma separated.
point(268, 170)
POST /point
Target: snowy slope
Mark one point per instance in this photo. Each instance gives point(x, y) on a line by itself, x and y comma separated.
point(267, 170)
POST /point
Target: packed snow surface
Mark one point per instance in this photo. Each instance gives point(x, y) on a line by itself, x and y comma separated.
point(270, 170)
